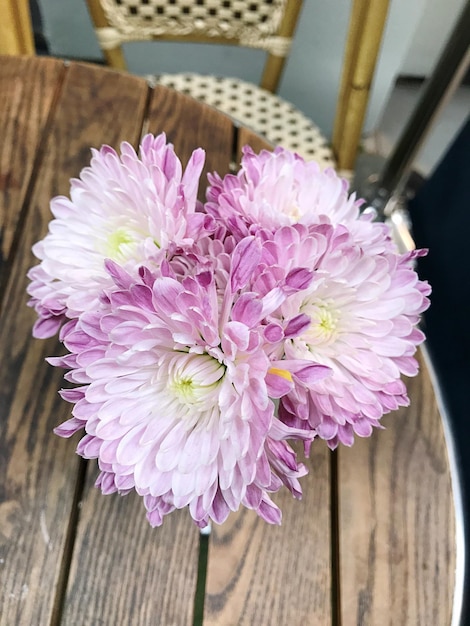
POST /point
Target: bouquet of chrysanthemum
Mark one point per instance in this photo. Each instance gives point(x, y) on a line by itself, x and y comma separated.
point(201, 339)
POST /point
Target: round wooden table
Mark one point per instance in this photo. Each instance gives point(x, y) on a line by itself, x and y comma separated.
point(372, 543)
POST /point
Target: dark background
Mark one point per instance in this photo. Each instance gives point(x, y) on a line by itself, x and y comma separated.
point(440, 214)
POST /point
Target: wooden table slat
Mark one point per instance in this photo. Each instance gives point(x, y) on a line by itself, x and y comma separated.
point(38, 481)
point(41, 470)
point(261, 574)
point(124, 571)
point(157, 568)
point(399, 567)
point(27, 91)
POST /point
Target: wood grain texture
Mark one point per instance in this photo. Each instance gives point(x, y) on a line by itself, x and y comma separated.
point(37, 479)
point(123, 571)
point(261, 574)
point(396, 523)
point(397, 526)
point(38, 470)
point(141, 575)
point(190, 124)
point(27, 89)
point(126, 572)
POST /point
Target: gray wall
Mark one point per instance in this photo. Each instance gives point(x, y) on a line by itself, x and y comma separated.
point(312, 74)
point(432, 32)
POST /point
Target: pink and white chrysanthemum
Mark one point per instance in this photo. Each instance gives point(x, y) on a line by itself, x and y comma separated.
point(176, 386)
point(275, 189)
point(123, 207)
point(363, 309)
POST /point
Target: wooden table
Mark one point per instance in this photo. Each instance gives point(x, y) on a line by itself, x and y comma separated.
point(372, 543)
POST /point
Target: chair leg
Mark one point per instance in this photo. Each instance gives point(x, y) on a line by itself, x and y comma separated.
point(113, 55)
point(366, 26)
point(16, 31)
point(274, 63)
point(115, 58)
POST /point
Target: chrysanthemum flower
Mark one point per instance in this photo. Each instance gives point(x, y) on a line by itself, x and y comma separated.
point(122, 207)
point(177, 385)
point(275, 189)
point(363, 309)
point(185, 327)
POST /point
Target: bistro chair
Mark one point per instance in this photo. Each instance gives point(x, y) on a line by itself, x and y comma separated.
point(264, 24)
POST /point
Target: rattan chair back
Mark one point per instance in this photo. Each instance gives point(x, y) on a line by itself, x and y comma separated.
point(264, 24)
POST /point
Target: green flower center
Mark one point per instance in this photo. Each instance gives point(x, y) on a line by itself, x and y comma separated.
point(193, 381)
point(324, 325)
point(185, 389)
point(118, 244)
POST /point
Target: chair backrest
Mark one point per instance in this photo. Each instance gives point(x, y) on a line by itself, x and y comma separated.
point(16, 32)
point(265, 24)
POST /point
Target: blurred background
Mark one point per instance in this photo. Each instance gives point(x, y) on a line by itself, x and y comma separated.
point(414, 36)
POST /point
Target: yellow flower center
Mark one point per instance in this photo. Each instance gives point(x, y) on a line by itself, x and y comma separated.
point(193, 381)
point(324, 326)
point(294, 213)
point(117, 243)
point(184, 389)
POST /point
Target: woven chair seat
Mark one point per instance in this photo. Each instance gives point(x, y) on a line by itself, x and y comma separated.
point(275, 119)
